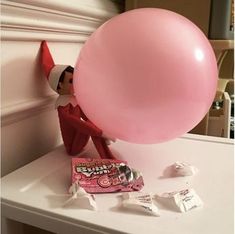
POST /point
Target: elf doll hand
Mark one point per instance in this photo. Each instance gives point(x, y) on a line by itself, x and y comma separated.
point(108, 139)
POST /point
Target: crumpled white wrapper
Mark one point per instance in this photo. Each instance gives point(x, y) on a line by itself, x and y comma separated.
point(183, 200)
point(139, 201)
point(81, 197)
point(183, 169)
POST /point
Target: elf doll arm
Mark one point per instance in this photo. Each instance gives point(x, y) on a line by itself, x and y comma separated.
point(76, 122)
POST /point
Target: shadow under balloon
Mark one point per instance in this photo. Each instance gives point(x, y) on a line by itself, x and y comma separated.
point(91, 152)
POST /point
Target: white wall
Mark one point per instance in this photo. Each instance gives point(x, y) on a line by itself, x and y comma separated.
point(29, 121)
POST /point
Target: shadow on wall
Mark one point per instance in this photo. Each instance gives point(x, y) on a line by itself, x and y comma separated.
point(26, 140)
point(23, 79)
point(30, 126)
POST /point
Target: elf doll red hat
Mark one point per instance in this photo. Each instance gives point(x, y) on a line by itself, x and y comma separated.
point(52, 71)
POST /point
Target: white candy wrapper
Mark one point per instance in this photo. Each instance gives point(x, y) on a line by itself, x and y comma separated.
point(183, 169)
point(184, 200)
point(80, 196)
point(140, 202)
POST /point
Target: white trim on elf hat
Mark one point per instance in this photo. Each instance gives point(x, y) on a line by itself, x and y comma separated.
point(52, 71)
point(55, 74)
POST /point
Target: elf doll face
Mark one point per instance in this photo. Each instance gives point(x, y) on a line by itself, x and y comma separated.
point(66, 87)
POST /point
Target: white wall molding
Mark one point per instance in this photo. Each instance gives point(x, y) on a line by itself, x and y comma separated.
point(9, 35)
point(96, 9)
point(53, 20)
point(19, 111)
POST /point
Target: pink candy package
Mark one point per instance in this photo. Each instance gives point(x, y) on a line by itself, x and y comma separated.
point(105, 175)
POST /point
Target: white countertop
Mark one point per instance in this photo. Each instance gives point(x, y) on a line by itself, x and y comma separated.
point(34, 194)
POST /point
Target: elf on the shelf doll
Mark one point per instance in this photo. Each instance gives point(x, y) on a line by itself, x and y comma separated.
point(75, 127)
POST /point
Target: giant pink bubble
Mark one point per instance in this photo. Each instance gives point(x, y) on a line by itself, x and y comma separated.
point(146, 76)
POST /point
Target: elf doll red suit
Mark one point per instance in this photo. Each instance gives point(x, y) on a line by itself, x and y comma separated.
point(75, 127)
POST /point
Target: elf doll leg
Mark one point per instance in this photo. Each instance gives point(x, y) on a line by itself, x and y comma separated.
point(79, 142)
point(102, 148)
point(74, 141)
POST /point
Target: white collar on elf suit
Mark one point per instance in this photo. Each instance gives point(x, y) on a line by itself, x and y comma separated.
point(64, 100)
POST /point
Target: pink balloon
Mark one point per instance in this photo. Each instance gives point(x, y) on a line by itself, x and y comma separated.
point(146, 76)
